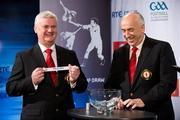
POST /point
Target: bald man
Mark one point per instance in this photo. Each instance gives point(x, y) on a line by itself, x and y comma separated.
point(153, 81)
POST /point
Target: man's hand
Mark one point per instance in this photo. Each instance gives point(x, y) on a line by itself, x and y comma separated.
point(120, 104)
point(37, 76)
point(133, 103)
point(74, 73)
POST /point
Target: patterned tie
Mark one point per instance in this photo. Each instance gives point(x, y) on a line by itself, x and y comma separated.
point(50, 63)
point(132, 64)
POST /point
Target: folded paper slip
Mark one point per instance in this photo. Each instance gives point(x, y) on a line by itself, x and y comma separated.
point(52, 69)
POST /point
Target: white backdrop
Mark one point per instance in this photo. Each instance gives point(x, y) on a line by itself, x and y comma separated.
point(161, 22)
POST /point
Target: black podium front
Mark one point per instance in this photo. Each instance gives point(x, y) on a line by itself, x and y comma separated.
point(82, 114)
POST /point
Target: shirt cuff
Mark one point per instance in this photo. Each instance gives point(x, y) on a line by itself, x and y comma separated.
point(35, 86)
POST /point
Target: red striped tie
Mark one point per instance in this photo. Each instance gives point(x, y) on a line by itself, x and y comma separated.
point(50, 63)
point(132, 64)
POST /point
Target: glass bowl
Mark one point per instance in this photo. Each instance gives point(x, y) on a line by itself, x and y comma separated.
point(104, 100)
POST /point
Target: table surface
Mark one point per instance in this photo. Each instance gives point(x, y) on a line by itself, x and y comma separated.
point(81, 113)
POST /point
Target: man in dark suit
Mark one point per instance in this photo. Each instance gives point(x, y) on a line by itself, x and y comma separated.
point(154, 79)
point(44, 99)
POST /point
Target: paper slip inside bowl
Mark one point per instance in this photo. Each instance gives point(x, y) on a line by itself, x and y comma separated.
point(51, 69)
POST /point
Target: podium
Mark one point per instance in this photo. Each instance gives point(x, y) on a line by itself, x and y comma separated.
point(82, 114)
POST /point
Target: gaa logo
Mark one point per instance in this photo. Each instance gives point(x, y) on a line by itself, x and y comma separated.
point(156, 6)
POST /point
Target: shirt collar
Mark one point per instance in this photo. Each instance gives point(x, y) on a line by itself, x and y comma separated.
point(43, 48)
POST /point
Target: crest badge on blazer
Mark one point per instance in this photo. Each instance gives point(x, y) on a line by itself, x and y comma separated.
point(146, 74)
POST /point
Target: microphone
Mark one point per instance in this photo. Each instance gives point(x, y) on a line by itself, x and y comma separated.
point(177, 68)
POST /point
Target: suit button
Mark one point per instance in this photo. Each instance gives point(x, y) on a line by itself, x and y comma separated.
point(131, 94)
point(57, 109)
point(57, 95)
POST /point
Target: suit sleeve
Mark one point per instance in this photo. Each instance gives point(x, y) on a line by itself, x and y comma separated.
point(81, 83)
point(167, 84)
point(18, 83)
point(113, 80)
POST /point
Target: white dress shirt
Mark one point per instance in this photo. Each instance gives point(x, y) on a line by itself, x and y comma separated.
point(138, 51)
point(53, 54)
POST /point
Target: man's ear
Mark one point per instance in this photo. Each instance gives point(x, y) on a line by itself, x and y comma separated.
point(143, 28)
point(35, 29)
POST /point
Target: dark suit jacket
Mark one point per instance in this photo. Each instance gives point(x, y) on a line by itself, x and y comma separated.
point(47, 102)
point(154, 79)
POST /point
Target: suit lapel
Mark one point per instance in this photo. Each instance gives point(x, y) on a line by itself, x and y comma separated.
point(60, 62)
point(59, 56)
point(143, 55)
point(38, 56)
point(127, 69)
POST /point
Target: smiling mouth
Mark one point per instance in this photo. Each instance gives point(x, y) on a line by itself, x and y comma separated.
point(130, 40)
point(50, 34)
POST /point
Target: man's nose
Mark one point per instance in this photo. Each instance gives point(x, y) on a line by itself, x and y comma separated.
point(50, 29)
point(126, 33)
